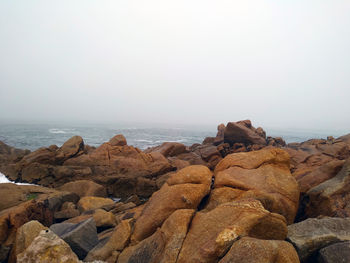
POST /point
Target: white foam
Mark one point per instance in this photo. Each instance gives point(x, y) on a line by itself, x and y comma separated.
point(5, 180)
point(61, 131)
point(140, 140)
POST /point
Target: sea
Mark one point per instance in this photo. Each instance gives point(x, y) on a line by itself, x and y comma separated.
point(33, 136)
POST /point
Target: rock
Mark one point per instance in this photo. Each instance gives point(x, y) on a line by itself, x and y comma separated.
point(47, 248)
point(169, 149)
point(313, 234)
point(184, 190)
point(254, 250)
point(336, 253)
point(87, 203)
point(17, 194)
point(70, 148)
point(81, 237)
point(164, 245)
point(331, 197)
point(116, 242)
point(212, 233)
point(118, 140)
point(319, 175)
point(120, 207)
point(84, 188)
point(13, 218)
point(219, 139)
point(243, 132)
point(263, 175)
point(122, 160)
point(104, 219)
point(66, 214)
point(10, 154)
point(26, 234)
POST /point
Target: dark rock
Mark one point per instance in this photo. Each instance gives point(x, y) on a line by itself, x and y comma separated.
point(81, 237)
point(313, 234)
point(242, 132)
point(336, 253)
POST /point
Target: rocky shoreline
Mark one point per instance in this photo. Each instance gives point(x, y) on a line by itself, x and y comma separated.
point(238, 197)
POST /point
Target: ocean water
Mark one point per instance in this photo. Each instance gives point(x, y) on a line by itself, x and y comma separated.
point(34, 136)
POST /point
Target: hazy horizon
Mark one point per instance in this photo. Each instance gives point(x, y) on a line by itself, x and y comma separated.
point(281, 65)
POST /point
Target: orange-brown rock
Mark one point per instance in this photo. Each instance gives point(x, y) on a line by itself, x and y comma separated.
point(84, 188)
point(185, 190)
point(169, 149)
point(212, 233)
point(165, 244)
point(263, 175)
point(69, 149)
point(332, 197)
point(254, 250)
point(243, 132)
point(319, 175)
point(118, 140)
point(87, 203)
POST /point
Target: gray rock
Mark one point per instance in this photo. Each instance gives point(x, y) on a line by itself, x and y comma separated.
point(81, 237)
point(313, 234)
point(336, 253)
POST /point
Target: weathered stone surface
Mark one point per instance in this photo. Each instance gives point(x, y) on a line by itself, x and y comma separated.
point(331, 198)
point(336, 253)
point(48, 248)
point(16, 194)
point(70, 148)
point(66, 214)
point(319, 175)
point(263, 175)
point(87, 203)
point(118, 140)
point(186, 190)
point(84, 188)
point(254, 250)
point(313, 234)
point(164, 245)
point(212, 233)
point(116, 242)
point(243, 132)
point(169, 149)
point(104, 219)
point(81, 237)
point(26, 234)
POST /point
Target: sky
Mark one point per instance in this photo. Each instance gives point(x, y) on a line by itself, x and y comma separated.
point(278, 63)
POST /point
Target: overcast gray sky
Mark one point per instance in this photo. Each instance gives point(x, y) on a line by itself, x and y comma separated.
point(278, 63)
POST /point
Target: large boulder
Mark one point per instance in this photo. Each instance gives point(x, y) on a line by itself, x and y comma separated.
point(118, 140)
point(263, 175)
point(313, 234)
point(26, 234)
point(184, 190)
point(84, 188)
point(48, 248)
point(212, 233)
point(81, 237)
point(331, 197)
point(254, 250)
point(164, 245)
point(69, 149)
point(243, 132)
